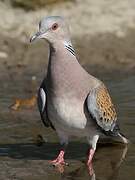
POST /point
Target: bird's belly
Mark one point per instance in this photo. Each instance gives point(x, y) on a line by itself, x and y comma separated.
point(67, 114)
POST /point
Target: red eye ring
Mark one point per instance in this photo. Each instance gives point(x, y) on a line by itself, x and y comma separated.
point(54, 26)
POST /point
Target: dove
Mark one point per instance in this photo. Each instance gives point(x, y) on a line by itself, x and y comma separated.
point(70, 100)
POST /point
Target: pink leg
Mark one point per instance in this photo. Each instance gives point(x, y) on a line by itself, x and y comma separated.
point(89, 162)
point(59, 160)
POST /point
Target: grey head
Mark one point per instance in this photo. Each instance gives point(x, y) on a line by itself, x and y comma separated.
point(52, 29)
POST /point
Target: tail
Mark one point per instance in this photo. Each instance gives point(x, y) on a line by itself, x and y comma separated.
point(121, 138)
point(116, 136)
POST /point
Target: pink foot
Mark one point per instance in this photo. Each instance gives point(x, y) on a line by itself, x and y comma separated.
point(59, 160)
point(89, 162)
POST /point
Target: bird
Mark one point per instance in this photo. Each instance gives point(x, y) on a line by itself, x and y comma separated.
point(70, 100)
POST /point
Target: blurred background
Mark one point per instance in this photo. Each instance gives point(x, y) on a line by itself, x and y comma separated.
point(103, 35)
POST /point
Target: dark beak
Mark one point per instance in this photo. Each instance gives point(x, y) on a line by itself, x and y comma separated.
point(35, 36)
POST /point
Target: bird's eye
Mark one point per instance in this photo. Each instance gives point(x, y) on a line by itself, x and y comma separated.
point(54, 26)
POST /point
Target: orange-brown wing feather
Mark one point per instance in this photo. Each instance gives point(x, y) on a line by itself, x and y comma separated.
point(101, 108)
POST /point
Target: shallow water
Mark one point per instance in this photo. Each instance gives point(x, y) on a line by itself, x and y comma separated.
point(20, 156)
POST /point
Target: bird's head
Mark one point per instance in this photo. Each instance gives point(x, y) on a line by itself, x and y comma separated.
point(52, 29)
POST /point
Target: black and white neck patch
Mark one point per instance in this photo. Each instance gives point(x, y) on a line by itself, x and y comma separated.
point(70, 48)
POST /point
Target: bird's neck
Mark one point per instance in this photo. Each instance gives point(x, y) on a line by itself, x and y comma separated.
point(62, 61)
point(62, 51)
point(62, 47)
point(68, 46)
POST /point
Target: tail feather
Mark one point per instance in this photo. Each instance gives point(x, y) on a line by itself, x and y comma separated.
point(122, 138)
point(115, 135)
point(119, 138)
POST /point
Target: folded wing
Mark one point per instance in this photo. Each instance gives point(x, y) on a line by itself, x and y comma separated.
point(100, 107)
point(42, 105)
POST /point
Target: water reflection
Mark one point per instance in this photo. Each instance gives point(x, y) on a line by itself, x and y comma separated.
point(106, 165)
